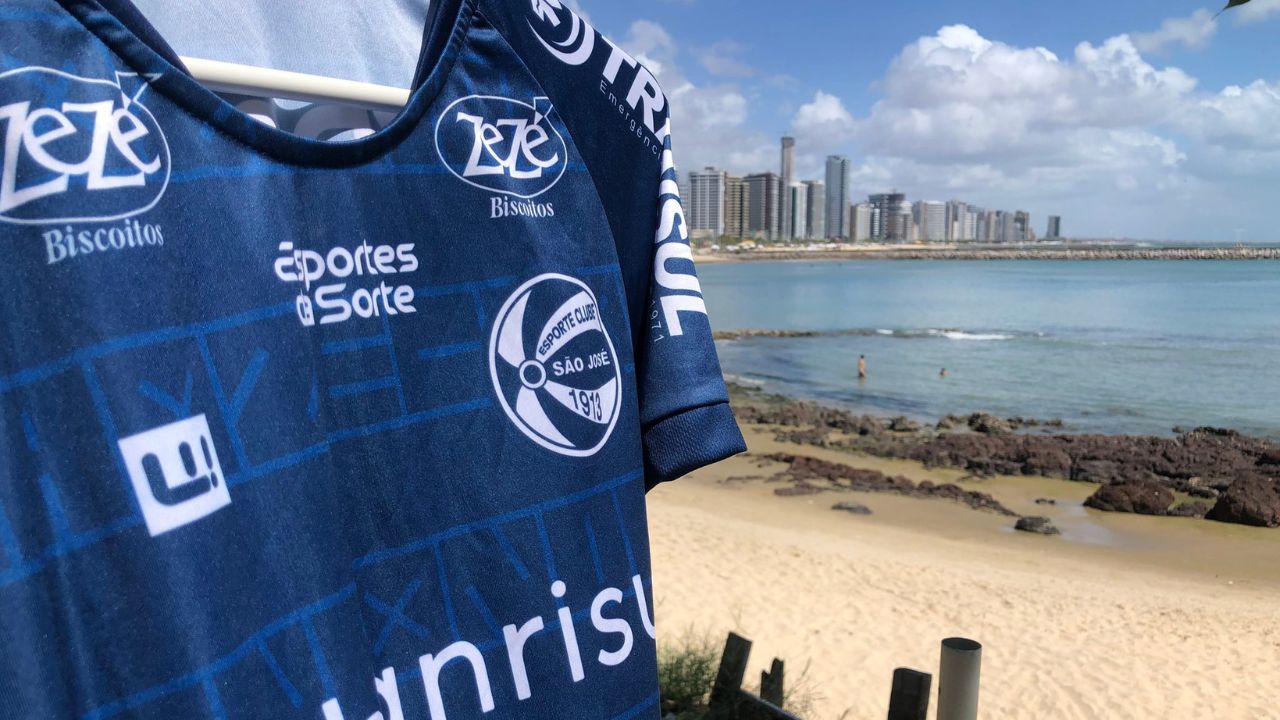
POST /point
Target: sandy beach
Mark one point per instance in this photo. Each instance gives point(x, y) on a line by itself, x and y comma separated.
point(1122, 616)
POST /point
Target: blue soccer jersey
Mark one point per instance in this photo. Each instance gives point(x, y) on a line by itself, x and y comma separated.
point(339, 430)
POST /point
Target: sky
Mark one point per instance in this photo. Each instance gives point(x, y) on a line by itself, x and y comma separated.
point(1147, 120)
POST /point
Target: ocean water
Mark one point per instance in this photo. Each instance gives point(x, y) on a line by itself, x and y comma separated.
point(1115, 347)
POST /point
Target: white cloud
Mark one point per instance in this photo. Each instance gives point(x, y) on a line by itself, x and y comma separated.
point(1104, 136)
point(1256, 11)
point(723, 60)
point(709, 122)
point(1193, 31)
point(825, 111)
point(957, 96)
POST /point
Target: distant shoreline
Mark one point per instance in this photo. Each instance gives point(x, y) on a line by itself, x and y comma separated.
point(1080, 253)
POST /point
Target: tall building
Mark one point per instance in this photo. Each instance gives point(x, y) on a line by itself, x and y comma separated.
point(1022, 227)
point(704, 208)
point(763, 206)
point(1055, 228)
point(892, 212)
point(798, 197)
point(817, 197)
point(786, 227)
point(837, 196)
point(988, 226)
point(970, 231)
point(861, 222)
point(931, 221)
point(957, 212)
point(1008, 227)
point(736, 208)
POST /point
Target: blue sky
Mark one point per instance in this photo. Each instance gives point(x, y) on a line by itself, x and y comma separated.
point(1140, 119)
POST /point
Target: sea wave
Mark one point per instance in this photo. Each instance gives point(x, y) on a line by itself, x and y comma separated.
point(962, 335)
point(971, 335)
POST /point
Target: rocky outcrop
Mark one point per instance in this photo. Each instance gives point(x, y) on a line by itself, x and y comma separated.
point(1038, 525)
point(989, 424)
point(904, 424)
point(1225, 472)
point(1190, 510)
point(1137, 496)
point(804, 414)
point(1253, 499)
point(807, 473)
point(745, 334)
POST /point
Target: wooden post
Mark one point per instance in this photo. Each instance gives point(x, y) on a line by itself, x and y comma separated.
point(771, 683)
point(733, 670)
point(909, 699)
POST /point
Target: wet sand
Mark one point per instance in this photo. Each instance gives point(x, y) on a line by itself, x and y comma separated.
point(1120, 617)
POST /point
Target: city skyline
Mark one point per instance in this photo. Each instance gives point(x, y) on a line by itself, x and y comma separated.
point(766, 207)
point(1132, 120)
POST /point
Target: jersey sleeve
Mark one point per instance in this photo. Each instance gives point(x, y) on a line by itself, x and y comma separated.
point(619, 120)
point(684, 403)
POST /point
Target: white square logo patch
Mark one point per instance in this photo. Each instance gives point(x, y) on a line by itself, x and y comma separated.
point(175, 473)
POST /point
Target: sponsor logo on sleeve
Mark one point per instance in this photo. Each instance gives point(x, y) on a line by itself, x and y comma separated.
point(554, 366)
point(76, 151)
point(509, 148)
point(629, 88)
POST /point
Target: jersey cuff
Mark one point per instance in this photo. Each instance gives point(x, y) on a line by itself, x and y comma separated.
point(690, 440)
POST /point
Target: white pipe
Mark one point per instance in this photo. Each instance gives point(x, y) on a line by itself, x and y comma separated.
point(959, 678)
point(227, 77)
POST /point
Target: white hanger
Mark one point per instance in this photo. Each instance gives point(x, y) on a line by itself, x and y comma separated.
point(227, 77)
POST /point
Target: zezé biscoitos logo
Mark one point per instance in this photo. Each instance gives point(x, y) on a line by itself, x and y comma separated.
point(502, 145)
point(76, 149)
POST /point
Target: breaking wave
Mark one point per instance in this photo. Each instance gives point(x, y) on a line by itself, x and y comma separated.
point(928, 333)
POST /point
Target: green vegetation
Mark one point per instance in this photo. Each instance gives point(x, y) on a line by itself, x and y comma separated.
point(686, 671)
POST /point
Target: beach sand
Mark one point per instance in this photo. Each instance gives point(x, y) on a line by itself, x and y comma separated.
point(1120, 617)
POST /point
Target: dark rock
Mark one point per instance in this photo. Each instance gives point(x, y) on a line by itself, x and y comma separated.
point(904, 425)
point(1252, 499)
point(811, 436)
point(1039, 525)
point(989, 424)
point(1136, 496)
point(852, 507)
point(1094, 471)
point(1215, 432)
point(1046, 461)
point(800, 489)
point(1219, 483)
point(1046, 501)
point(1190, 510)
point(1203, 463)
point(804, 471)
point(1270, 457)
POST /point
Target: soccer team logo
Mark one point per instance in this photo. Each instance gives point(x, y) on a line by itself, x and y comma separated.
point(554, 367)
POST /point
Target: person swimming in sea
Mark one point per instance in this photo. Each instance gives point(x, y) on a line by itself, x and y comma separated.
point(943, 373)
point(862, 367)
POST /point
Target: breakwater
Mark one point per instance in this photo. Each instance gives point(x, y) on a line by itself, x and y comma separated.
point(1083, 254)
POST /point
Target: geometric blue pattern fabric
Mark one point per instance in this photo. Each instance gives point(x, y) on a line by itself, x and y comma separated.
point(360, 429)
